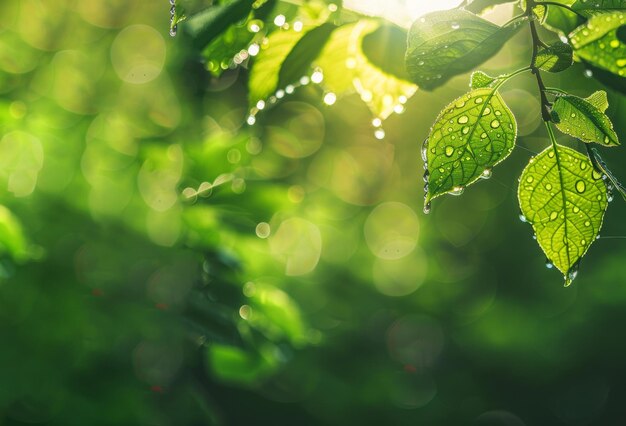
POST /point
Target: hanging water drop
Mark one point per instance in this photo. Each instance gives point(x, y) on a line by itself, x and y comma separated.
point(549, 264)
point(427, 208)
point(457, 190)
point(522, 218)
point(379, 134)
point(425, 150)
point(426, 176)
point(486, 174)
point(571, 274)
point(173, 27)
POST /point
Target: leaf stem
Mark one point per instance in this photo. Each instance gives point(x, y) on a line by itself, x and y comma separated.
point(506, 77)
point(557, 4)
point(556, 90)
point(545, 104)
point(515, 18)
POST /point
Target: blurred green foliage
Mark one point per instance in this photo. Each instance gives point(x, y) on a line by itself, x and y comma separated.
point(162, 263)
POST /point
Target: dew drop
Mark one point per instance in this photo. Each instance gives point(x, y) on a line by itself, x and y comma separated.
point(317, 77)
point(455, 26)
point(553, 215)
point(330, 98)
point(463, 119)
point(530, 179)
point(495, 124)
point(457, 190)
point(549, 187)
point(549, 264)
point(379, 134)
point(580, 186)
point(427, 208)
point(522, 218)
point(449, 151)
point(465, 130)
point(424, 150)
point(571, 275)
point(486, 174)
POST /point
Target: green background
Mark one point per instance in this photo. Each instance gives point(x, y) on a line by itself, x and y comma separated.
point(126, 297)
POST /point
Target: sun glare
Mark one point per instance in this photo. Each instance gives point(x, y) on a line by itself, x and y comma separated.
point(400, 12)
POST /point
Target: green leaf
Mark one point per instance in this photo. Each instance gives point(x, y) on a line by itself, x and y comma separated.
point(610, 80)
point(220, 52)
point(555, 58)
point(444, 44)
point(592, 7)
point(478, 6)
point(597, 42)
point(385, 48)
point(470, 136)
point(299, 60)
point(600, 100)
point(564, 200)
point(346, 69)
point(582, 119)
point(233, 364)
point(13, 242)
point(561, 20)
point(265, 72)
point(479, 80)
point(207, 25)
point(540, 12)
point(601, 166)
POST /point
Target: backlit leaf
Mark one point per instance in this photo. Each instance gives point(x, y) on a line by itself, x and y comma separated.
point(583, 120)
point(299, 60)
point(220, 52)
point(264, 75)
point(561, 20)
point(601, 166)
point(207, 25)
point(564, 199)
point(347, 68)
point(479, 80)
point(555, 58)
point(598, 43)
point(591, 7)
point(478, 6)
point(470, 136)
point(444, 44)
point(385, 49)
